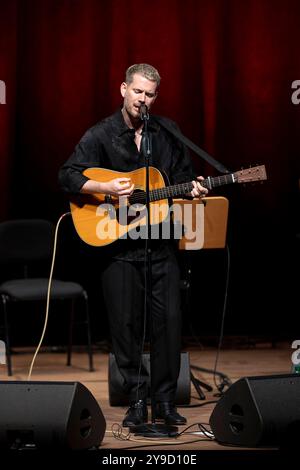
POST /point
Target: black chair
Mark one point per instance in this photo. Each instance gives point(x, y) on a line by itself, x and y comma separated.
point(26, 244)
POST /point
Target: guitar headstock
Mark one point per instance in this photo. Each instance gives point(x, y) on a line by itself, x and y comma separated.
point(255, 173)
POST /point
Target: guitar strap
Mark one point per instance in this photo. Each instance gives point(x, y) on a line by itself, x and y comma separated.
point(176, 133)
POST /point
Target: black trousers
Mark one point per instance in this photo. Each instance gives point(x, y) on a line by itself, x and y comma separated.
point(123, 288)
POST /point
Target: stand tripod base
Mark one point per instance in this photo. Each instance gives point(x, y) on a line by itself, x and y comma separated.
point(154, 430)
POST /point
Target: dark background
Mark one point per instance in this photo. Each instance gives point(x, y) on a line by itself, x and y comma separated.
point(227, 68)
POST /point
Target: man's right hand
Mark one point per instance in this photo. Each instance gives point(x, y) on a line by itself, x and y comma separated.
point(119, 187)
point(116, 187)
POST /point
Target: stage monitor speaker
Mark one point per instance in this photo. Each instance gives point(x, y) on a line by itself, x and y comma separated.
point(259, 412)
point(38, 415)
point(117, 397)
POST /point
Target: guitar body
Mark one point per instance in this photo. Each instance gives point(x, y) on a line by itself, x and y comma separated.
point(100, 219)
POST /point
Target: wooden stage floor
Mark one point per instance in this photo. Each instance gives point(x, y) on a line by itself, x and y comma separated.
point(262, 359)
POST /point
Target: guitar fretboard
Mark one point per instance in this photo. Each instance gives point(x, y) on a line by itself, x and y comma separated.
point(181, 189)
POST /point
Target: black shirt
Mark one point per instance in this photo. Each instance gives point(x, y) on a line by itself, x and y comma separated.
point(110, 144)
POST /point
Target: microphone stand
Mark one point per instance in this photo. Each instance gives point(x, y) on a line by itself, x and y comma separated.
point(153, 429)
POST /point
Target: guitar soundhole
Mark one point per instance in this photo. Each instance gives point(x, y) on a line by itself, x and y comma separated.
point(138, 197)
point(108, 199)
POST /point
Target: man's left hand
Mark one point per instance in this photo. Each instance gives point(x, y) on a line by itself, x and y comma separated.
point(199, 191)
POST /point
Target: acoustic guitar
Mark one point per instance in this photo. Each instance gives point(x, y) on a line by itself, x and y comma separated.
point(101, 219)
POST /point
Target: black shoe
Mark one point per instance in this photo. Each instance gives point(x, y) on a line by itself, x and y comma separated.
point(167, 411)
point(136, 414)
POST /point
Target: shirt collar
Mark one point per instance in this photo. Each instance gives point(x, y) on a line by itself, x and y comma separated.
point(121, 127)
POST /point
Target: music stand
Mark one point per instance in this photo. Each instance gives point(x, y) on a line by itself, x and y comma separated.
point(204, 223)
point(213, 223)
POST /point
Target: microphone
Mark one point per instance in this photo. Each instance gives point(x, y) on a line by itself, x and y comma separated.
point(144, 112)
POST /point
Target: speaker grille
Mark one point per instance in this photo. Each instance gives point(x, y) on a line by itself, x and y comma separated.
point(258, 411)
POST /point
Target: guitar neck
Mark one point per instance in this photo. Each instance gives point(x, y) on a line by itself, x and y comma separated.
point(182, 189)
point(185, 188)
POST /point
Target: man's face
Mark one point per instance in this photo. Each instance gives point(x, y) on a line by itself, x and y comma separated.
point(139, 91)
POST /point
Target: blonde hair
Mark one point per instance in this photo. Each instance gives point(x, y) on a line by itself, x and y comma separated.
point(145, 70)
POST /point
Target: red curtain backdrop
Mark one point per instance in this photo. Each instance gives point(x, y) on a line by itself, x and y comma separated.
point(8, 59)
point(227, 67)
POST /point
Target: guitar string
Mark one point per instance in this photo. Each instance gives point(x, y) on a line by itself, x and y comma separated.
point(183, 188)
point(211, 182)
point(178, 189)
